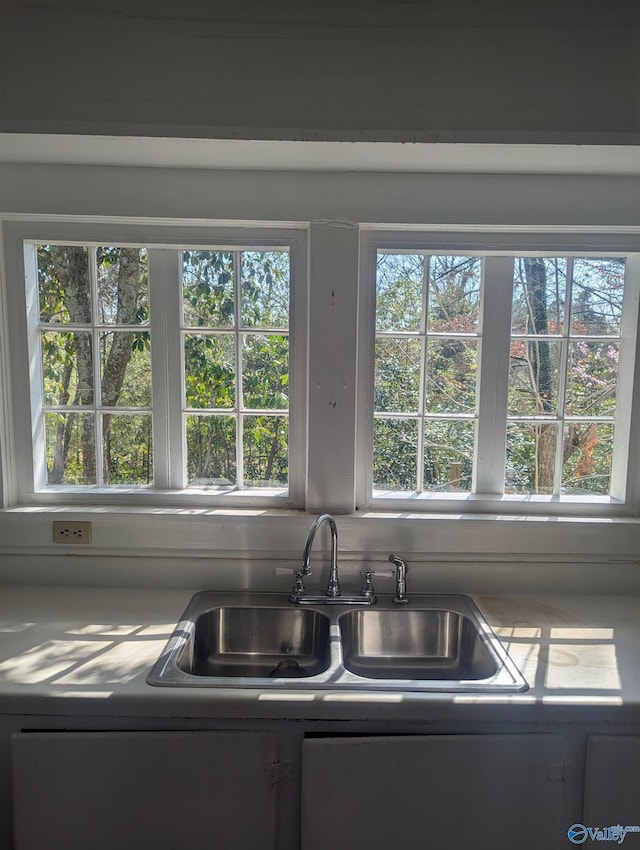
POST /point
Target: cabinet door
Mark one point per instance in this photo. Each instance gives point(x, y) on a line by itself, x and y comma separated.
point(612, 787)
point(444, 791)
point(139, 790)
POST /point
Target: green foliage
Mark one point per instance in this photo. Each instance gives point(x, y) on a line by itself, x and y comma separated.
point(210, 374)
point(397, 375)
point(395, 447)
point(448, 455)
point(208, 289)
point(265, 442)
point(211, 451)
point(452, 369)
point(128, 451)
point(265, 375)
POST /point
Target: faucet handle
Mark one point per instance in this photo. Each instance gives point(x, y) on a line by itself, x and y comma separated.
point(367, 586)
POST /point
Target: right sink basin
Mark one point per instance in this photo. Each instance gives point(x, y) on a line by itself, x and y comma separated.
point(415, 644)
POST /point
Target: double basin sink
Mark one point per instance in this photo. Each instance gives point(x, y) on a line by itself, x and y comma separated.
point(435, 643)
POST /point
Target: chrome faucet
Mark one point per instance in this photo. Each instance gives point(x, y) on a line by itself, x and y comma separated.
point(333, 587)
point(333, 594)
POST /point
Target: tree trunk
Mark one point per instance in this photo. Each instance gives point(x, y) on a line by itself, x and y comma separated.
point(73, 273)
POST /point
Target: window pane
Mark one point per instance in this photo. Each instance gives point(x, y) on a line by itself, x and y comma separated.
point(596, 305)
point(67, 368)
point(126, 449)
point(531, 457)
point(123, 287)
point(397, 375)
point(592, 378)
point(265, 447)
point(539, 295)
point(64, 284)
point(265, 289)
point(71, 449)
point(210, 370)
point(125, 369)
point(534, 369)
point(452, 371)
point(454, 294)
point(448, 455)
point(395, 446)
point(208, 289)
point(587, 451)
point(399, 287)
point(211, 451)
point(265, 371)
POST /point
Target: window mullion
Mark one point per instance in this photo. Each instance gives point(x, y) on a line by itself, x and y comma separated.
point(497, 289)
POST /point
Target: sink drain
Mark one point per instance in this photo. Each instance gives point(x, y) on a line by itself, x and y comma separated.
point(288, 668)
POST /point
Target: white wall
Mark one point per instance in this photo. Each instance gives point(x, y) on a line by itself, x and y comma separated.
point(443, 70)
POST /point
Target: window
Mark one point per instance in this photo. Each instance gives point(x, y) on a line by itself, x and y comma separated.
point(158, 368)
point(328, 368)
point(497, 376)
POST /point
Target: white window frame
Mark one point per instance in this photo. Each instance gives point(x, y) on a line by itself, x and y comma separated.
point(497, 249)
point(163, 242)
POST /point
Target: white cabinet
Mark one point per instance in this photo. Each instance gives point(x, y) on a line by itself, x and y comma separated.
point(444, 791)
point(612, 786)
point(144, 790)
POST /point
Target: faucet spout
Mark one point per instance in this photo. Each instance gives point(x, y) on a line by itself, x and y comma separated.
point(333, 587)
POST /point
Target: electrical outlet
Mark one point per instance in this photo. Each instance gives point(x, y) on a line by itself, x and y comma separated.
point(71, 532)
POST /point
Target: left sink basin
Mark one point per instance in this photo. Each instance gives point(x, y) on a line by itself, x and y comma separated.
point(257, 642)
point(250, 639)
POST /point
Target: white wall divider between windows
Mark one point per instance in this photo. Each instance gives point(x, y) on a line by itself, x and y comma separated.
point(168, 437)
point(332, 366)
point(494, 366)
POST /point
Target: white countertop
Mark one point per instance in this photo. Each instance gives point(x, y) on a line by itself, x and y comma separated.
point(87, 652)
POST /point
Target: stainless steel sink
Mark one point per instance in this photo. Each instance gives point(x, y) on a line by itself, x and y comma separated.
point(257, 642)
point(422, 644)
point(433, 643)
